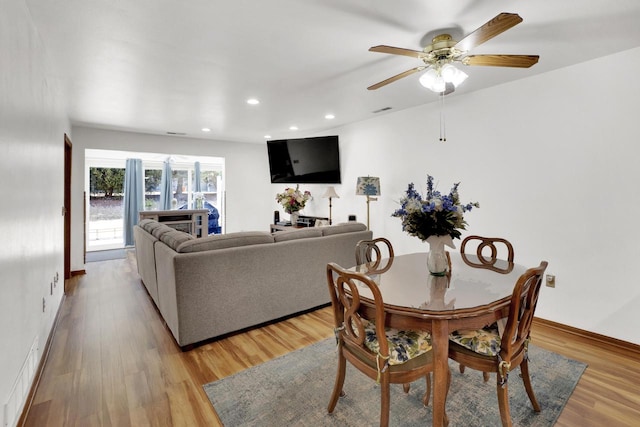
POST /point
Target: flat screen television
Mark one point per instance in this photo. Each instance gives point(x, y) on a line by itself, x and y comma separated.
point(305, 160)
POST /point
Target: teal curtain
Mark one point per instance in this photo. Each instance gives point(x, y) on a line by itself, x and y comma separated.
point(133, 197)
point(165, 187)
point(197, 188)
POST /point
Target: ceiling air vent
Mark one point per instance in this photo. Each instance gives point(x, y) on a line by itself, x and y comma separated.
point(381, 110)
point(177, 133)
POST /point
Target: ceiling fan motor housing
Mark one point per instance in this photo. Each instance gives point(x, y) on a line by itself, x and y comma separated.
point(441, 50)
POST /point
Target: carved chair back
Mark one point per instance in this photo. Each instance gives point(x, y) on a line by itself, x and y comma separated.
point(371, 253)
point(487, 250)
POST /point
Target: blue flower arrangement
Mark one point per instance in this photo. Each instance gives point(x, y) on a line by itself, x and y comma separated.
point(436, 214)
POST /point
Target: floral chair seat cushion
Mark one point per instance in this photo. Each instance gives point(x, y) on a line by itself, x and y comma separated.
point(403, 345)
point(482, 341)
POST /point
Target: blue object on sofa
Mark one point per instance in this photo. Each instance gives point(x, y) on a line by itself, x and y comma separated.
point(214, 215)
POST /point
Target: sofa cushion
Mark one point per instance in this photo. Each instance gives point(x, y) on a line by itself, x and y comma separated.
point(149, 225)
point(223, 241)
point(155, 228)
point(299, 233)
point(174, 238)
point(345, 227)
point(160, 230)
point(144, 222)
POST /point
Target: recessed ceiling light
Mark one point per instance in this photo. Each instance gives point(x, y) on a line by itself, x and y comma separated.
point(267, 136)
point(253, 101)
point(329, 117)
point(293, 127)
point(206, 130)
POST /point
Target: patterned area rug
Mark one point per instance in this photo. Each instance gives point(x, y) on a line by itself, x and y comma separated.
point(294, 390)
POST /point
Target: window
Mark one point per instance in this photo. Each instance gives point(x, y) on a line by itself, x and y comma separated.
point(104, 187)
point(209, 183)
point(106, 190)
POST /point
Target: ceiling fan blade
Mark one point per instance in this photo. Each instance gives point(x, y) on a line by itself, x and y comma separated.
point(397, 51)
point(494, 27)
point(519, 61)
point(396, 77)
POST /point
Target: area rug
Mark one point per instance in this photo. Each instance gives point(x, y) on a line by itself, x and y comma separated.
point(294, 390)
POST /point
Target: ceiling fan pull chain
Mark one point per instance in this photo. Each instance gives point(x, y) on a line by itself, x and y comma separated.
point(443, 130)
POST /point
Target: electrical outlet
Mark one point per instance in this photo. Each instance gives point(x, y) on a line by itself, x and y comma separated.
point(551, 281)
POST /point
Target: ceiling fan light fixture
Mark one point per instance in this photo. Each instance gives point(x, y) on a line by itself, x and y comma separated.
point(448, 71)
point(436, 79)
point(439, 85)
point(433, 81)
point(451, 74)
point(429, 78)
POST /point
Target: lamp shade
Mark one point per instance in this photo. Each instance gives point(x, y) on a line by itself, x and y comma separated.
point(330, 193)
point(368, 186)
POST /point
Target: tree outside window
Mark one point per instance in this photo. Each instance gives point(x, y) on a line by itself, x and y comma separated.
point(108, 181)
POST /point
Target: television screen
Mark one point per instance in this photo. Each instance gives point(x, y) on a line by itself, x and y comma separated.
point(305, 160)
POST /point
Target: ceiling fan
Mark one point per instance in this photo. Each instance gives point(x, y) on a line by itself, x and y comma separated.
point(439, 56)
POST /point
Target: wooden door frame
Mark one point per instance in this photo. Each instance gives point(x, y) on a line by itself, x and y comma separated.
point(66, 209)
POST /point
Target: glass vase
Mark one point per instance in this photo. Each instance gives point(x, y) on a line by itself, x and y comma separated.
point(437, 261)
point(294, 218)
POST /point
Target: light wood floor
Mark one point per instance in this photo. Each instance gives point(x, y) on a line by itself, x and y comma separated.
point(114, 363)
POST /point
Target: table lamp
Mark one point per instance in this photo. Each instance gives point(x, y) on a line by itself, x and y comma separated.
point(330, 193)
point(368, 186)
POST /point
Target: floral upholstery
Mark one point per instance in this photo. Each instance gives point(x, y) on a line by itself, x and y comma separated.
point(403, 345)
point(482, 341)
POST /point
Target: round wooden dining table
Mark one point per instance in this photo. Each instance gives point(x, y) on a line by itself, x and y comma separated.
point(473, 294)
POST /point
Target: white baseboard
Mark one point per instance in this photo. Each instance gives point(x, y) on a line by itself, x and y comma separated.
point(17, 398)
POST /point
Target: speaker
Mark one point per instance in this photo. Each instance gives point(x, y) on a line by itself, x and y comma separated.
point(276, 217)
point(352, 217)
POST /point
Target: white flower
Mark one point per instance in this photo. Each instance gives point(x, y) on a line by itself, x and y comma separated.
point(293, 200)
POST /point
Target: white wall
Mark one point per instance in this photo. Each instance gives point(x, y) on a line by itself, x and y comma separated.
point(32, 127)
point(553, 161)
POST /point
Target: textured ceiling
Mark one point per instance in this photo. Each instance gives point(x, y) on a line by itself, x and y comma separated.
point(161, 66)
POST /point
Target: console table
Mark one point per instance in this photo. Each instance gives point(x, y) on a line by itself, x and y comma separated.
point(192, 221)
point(303, 222)
point(276, 227)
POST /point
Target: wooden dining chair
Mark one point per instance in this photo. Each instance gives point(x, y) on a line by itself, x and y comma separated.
point(486, 351)
point(490, 251)
point(498, 249)
point(386, 355)
point(370, 253)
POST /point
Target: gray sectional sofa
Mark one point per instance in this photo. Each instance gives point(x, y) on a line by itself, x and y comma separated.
point(215, 285)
